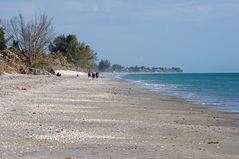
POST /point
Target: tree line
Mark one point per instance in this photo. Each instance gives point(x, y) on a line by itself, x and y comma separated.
point(104, 65)
point(36, 45)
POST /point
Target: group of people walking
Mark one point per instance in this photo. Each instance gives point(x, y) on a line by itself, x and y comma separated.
point(93, 75)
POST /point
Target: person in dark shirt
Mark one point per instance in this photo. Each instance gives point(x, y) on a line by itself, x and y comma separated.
point(97, 75)
point(93, 75)
point(89, 74)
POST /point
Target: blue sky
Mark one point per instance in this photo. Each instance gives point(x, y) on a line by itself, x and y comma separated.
point(197, 35)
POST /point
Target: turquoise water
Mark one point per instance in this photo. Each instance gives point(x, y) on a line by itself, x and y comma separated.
point(220, 90)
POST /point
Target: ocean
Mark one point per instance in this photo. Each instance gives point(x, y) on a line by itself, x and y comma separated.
point(219, 90)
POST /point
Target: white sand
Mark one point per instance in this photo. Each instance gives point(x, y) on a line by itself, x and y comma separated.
point(60, 117)
point(71, 73)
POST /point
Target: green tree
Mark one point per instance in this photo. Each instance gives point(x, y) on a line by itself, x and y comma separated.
point(117, 67)
point(72, 51)
point(2, 39)
point(86, 57)
point(104, 65)
point(59, 45)
point(77, 53)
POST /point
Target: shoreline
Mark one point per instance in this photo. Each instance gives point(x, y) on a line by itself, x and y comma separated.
point(219, 108)
point(60, 117)
point(181, 100)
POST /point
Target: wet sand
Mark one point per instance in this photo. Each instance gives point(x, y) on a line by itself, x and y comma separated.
point(70, 117)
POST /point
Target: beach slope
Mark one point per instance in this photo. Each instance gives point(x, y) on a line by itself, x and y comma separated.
point(70, 117)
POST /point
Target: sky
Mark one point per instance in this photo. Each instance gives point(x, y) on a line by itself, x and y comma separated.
point(196, 35)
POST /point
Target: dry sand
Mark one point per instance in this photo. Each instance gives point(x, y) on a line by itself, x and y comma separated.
point(70, 117)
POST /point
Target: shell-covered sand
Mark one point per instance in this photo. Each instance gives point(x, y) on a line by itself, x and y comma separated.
point(74, 117)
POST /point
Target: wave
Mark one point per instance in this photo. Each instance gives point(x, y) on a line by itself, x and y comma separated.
point(191, 93)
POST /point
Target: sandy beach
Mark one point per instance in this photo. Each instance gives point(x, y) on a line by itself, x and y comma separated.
point(74, 117)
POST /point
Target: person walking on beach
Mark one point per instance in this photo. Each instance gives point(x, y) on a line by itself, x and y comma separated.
point(93, 75)
point(89, 75)
point(97, 75)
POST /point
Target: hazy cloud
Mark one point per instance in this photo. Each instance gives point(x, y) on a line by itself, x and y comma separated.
point(146, 28)
point(139, 9)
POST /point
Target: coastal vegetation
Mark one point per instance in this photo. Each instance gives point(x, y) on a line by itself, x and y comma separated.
point(2, 39)
point(29, 46)
point(32, 47)
point(30, 39)
point(104, 65)
point(79, 54)
point(152, 69)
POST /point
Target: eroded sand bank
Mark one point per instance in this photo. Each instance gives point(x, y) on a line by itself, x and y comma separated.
point(70, 117)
